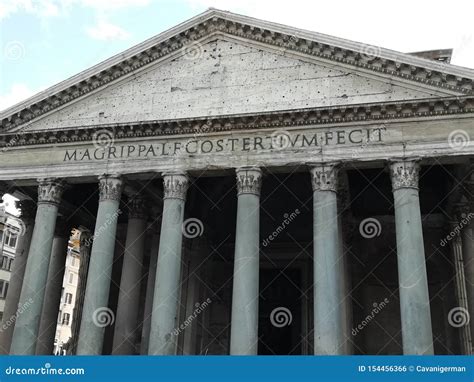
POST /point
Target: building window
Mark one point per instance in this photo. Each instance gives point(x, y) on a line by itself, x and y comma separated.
point(68, 299)
point(3, 289)
point(10, 239)
point(66, 318)
point(73, 261)
point(71, 277)
point(6, 263)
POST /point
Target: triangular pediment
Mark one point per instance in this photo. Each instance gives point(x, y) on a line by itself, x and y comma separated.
point(213, 65)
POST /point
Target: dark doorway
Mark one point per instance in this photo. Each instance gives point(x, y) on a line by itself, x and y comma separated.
point(280, 303)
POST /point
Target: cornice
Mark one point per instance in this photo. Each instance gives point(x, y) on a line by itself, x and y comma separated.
point(290, 39)
point(381, 112)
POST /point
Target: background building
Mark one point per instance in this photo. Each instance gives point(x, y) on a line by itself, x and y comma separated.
point(10, 229)
point(251, 188)
point(68, 295)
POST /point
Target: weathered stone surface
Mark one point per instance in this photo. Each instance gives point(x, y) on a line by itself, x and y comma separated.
point(354, 142)
point(228, 77)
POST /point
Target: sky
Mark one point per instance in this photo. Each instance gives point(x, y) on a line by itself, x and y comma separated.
point(46, 41)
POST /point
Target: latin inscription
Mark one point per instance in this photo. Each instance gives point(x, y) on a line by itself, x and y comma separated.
point(278, 141)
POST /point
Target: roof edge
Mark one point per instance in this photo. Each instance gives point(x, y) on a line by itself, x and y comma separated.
point(212, 13)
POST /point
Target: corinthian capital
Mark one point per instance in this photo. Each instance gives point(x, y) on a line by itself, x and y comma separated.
point(404, 174)
point(110, 187)
point(50, 191)
point(249, 180)
point(175, 185)
point(324, 177)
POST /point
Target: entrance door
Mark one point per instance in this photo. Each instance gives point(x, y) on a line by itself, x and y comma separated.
point(280, 308)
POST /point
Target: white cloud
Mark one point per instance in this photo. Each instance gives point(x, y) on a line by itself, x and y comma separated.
point(106, 31)
point(48, 8)
point(41, 8)
point(113, 4)
point(421, 28)
point(18, 92)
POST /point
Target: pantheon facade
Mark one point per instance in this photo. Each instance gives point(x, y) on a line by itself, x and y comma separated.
point(245, 187)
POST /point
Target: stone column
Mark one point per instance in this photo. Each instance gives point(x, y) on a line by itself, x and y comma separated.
point(126, 323)
point(52, 299)
point(28, 212)
point(245, 292)
point(26, 329)
point(468, 254)
point(150, 286)
point(413, 283)
point(165, 299)
point(96, 315)
point(460, 311)
point(328, 313)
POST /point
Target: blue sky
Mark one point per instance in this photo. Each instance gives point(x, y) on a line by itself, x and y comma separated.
point(46, 41)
